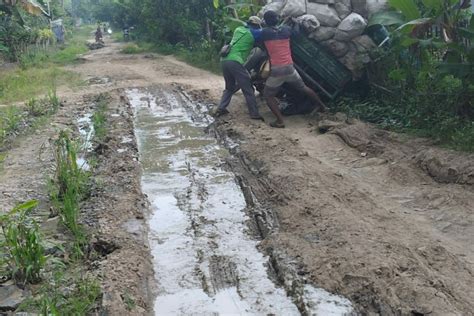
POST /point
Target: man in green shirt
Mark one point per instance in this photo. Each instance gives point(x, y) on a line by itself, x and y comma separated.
point(235, 75)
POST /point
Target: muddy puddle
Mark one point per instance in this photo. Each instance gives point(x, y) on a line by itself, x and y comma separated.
point(205, 259)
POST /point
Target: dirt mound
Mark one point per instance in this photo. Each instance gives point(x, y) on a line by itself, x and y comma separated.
point(359, 215)
point(445, 166)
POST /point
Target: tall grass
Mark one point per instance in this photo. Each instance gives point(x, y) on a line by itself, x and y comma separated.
point(24, 252)
point(24, 84)
point(48, 105)
point(40, 70)
point(53, 301)
point(10, 120)
point(99, 118)
point(68, 188)
point(13, 118)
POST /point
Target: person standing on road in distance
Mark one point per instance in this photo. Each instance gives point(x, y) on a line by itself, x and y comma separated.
point(235, 75)
point(277, 42)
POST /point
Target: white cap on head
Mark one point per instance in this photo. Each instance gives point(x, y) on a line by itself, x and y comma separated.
point(255, 20)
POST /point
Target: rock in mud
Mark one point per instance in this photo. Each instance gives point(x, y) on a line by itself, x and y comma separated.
point(11, 297)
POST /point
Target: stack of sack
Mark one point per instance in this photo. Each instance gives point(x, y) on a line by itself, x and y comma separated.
point(337, 25)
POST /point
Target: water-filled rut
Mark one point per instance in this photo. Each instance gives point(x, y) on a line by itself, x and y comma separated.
point(205, 260)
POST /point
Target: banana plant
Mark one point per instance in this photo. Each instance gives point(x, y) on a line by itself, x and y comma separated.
point(10, 8)
point(413, 18)
point(411, 21)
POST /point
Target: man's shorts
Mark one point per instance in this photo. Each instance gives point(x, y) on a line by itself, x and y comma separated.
point(273, 84)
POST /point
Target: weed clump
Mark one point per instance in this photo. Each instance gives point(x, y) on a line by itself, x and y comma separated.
point(24, 252)
point(68, 187)
point(99, 118)
point(64, 296)
point(134, 49)
point(46, 106)
point(11, 118)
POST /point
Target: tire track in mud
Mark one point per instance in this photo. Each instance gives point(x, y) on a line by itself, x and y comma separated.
point(205, 258)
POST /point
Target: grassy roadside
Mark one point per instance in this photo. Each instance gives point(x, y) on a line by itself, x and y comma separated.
point(14, 119)
point(199, 57)
point(53, 264)
point(40, 71)
point(447, 131)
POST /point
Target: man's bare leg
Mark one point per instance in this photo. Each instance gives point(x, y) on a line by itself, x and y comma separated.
point(272, 103)
point(314, 96)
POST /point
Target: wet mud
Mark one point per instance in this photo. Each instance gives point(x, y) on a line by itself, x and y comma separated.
point(206, 259)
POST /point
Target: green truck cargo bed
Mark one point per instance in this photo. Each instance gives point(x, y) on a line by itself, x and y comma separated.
point(319, 68)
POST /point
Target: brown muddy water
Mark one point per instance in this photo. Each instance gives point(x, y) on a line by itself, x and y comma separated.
point(205, 259)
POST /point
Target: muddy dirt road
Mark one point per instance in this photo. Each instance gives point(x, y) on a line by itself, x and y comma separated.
point(382, 220)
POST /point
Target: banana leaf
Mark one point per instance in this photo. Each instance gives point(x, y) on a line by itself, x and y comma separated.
point(33, 7)
point(407, 7)
point(387, 18)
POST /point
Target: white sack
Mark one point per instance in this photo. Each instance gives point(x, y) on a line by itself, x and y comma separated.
point(308, 22)
point(326, 15)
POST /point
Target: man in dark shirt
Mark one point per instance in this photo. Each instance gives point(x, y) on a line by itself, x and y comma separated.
point(277, 43)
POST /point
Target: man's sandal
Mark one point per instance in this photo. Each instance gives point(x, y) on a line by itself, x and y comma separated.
point(258, 118)
point(277, 124)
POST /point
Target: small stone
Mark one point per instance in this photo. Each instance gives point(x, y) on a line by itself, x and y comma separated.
point(11, 297)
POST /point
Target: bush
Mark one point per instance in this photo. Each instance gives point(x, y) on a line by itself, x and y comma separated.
point(68, 187)
point(133, 49)
point(25, 255)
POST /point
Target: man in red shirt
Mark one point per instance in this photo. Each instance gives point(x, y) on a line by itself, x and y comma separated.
point(277, 43)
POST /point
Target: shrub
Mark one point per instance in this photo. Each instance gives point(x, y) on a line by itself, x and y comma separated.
point(25, 255)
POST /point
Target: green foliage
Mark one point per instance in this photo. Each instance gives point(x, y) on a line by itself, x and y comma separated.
point(21, 84)
point(40, 69)
point(430, 74)
point(46, 106)
point(24, 252)
point(57, 55)
point(99, 119)
point(134, 48)
point(194, 30)
point(420, 114)
point(129, 301)
point(10, 119)
point(54, 300)
point(69, 188)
